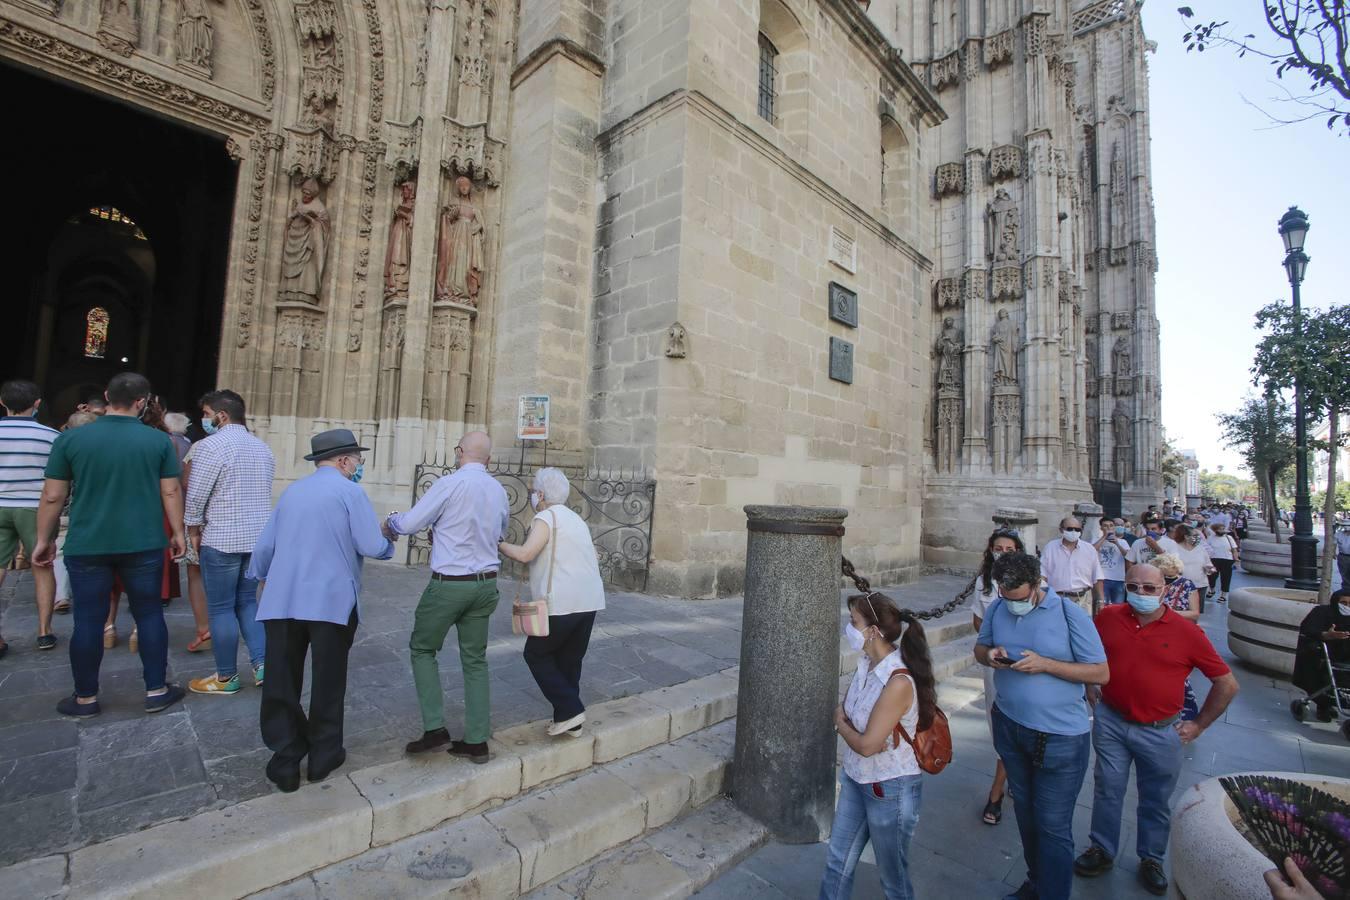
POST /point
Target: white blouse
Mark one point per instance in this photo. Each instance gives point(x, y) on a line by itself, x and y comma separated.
point(577, 586)
point(863, 693)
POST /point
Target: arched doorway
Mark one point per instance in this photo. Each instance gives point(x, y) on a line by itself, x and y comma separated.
point(119, 248)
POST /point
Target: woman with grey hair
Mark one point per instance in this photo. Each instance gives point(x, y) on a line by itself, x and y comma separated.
point(565, 572)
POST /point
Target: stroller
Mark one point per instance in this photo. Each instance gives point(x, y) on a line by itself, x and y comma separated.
point(1337, 690)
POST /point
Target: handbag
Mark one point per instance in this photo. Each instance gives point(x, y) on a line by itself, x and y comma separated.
point(531, 619)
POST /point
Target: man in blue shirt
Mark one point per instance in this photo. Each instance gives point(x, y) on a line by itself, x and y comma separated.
point(309, 555)
point(1043, 651)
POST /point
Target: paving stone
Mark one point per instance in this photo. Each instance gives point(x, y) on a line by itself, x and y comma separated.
point(19, 741)
point(109, 782)
point(143, 811)
point(49, 825)
point(32, 776)
point(37, 879)
point(108, 742)
point(625, 726)
point(412, 795)
point(239, 778)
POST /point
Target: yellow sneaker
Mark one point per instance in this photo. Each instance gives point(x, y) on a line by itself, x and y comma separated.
point(212, 684)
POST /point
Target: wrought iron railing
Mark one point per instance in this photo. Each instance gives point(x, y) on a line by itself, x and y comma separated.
point(616, 505)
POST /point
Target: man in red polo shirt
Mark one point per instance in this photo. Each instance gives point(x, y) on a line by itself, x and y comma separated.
point(1137, 720)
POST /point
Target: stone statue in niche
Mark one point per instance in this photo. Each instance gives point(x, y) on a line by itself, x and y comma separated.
point(305, 252)
point(119, 29)
point(1003, 348)
point(1004, 226)
point(459, 255)
point(398, 258)
point(1120, 228)
point(1120, 425)
point(1120, 358)
point(1090, 368)
point(318, 113)
point(949, 354)
point(677, 341)
point(195, 35)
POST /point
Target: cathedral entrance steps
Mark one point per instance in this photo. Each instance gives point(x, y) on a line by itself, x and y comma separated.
point(552, 805)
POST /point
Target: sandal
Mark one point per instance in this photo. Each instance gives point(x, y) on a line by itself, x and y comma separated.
point(62, 607)
point(202, 642)
point(109, 637)
point(134, 642)
point(993, 812)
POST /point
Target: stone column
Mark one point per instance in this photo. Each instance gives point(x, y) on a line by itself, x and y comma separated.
point(789, 684)
point(1021, 520)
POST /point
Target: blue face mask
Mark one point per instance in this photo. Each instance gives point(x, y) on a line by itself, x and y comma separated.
point(209, 425)
point(1120, 529)
point(360, 471)
point(1141, 604)
point(1018, 607)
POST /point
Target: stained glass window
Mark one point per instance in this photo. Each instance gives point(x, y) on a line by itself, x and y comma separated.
point(117, 217)
point(96, 333)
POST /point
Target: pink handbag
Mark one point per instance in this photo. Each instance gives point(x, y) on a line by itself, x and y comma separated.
point(531, 619)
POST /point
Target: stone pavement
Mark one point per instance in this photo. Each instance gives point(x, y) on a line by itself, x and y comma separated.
point(956, 855)
point(74, 783)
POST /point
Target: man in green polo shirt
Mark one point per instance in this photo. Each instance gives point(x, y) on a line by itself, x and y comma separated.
point(125, 482)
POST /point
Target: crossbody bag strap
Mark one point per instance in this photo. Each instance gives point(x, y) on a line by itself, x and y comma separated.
point(552, 554)
point(899, 726)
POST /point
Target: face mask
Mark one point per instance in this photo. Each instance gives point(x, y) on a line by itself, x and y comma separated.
point(360, 471)
point(1155, 534)
point(1142, 604)
point(209, 425)
point(854, 637)
point(534, 499)
point(1018, 607)
point(997, 553)
point(1345, 610)
point(1071, 535)
point(1120, 529)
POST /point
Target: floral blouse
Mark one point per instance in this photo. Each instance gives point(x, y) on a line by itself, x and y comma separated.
point(1178, 594)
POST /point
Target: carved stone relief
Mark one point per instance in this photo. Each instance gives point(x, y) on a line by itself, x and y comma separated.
point(1003, 347)
point(398, 256)
point(475, 69)
point(945, 71)
point(392, 332)
point(261, 150)
point(1120, 358)
point(119, 28)
point(195, 37)
point(299, 353)
point(1120, 224)
point(1007, 283)
point(1090, 367)
point(677, 341)
point(1120, 321)
point(1124, 442)
point(947, 293)
point(1005, 162)
point(1034, 33)
point(467, 150)
point(972, 286)
point(950, 179)
point(305, 251)
point(1005, 245)
point(459, 250)
point(1006, 426)
point(998, 49)
point(948, 350)
point(950, 414)
point(449, 341)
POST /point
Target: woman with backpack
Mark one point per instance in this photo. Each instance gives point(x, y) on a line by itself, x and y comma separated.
point(892, 698)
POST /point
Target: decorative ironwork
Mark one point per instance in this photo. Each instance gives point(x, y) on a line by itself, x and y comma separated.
point(768, 75)
point(616, 505)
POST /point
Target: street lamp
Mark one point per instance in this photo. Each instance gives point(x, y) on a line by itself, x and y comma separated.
point(1302, 546)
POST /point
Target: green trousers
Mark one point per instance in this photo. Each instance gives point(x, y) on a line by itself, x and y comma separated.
point(468, 606)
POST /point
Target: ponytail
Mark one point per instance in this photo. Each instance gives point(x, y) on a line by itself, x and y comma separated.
point(919, 661)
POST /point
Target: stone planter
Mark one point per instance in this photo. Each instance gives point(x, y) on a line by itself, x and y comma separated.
point(1211, 859)
point(1265, 558)
point(1263, 626)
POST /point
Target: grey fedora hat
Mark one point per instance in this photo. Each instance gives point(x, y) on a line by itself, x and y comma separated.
point(332, 443)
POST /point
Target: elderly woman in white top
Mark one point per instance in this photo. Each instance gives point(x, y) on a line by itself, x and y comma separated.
point(882, 784)
point(565, 572)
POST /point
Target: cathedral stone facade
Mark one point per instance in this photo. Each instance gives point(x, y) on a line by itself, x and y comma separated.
point(896, 257)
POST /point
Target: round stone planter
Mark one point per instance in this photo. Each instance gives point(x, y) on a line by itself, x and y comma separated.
point(1263, 626)
point(1211, 859)
point(1265, 558)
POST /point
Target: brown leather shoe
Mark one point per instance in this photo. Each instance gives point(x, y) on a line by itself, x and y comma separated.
point(475, 753)
point(429, 740)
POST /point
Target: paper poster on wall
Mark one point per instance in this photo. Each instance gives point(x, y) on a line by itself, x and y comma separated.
point(532, 417)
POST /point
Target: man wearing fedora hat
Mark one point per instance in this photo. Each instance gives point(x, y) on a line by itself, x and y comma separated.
point(309, 556)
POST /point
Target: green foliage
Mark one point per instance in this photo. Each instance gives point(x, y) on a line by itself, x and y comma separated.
point(1223, 486)
point(1319, 498)
point(1314, 350)
point(1173, 464)
point(1263, 431)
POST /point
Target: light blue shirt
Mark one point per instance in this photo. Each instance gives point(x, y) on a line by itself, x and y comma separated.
point(1053, 629)
point(468, 514)
point(311, 548)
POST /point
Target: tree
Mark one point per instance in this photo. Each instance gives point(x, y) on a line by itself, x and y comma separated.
point(1314, 352)
point(1173, 463)
point(1263, 430)
point(1311, 41)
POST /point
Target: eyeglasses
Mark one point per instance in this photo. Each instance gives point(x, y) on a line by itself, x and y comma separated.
point(1147, 590)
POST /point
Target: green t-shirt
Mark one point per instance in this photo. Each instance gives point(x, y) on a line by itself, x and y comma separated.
point(116, 463)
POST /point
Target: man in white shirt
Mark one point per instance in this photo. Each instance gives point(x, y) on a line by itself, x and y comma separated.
point(1155, 543)
point(468, 514)
point(1072, 568)
point(1111, 550)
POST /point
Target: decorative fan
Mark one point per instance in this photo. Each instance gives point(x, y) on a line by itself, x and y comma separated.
point(1285, 818)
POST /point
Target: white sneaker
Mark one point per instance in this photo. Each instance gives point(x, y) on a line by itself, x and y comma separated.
point(571, 726)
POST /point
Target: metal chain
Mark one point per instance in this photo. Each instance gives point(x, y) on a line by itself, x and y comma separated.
point(936, 612)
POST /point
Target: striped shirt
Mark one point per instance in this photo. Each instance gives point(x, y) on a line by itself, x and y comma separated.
point(24, 447)
point(230, 489)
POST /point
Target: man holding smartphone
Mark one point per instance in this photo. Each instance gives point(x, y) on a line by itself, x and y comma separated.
point(1044, 650)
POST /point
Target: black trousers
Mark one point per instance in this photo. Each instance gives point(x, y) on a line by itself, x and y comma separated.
point(287, 731)
point(555, 662)
point(1225, 567)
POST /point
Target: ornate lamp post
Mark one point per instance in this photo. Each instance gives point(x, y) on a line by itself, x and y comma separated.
point(1302, 546)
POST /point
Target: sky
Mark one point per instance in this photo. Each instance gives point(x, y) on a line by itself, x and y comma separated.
point(1222, 177)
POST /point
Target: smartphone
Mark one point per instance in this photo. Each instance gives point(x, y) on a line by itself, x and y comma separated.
point(1003, 661)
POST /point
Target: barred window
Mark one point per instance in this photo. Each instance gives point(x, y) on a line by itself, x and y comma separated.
point(768, 72)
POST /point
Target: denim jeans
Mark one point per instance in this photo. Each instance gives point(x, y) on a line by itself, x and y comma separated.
point(1156, 755)
point(91, 584)
point(555, 662)
point(1113, 591)
point(1045, 773)
point(887, 821)
point(232, 604)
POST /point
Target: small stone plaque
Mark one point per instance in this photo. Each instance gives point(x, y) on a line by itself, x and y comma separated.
point(841, 360)
point(843, 305)
point(843, 250)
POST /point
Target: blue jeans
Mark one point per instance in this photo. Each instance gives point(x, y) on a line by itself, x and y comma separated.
point(887, 821)
point(232, 604)
point(91, 584)
point(1156, 755)
point(1045, 773)
point(1113, 591)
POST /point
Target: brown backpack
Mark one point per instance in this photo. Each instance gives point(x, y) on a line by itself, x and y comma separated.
point(932, 746)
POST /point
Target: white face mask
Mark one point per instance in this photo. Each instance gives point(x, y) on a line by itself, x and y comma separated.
point(534, 499)
point(1345, 610)
point(854, 637)
point(1072, 534)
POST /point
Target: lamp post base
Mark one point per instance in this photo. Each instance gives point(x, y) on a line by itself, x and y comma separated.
point(1303, 563)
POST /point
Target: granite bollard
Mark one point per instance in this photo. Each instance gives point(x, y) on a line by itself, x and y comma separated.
point(784, 769)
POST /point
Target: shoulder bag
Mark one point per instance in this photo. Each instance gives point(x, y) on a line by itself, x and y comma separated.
point(531, 619)
point(932, 746)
